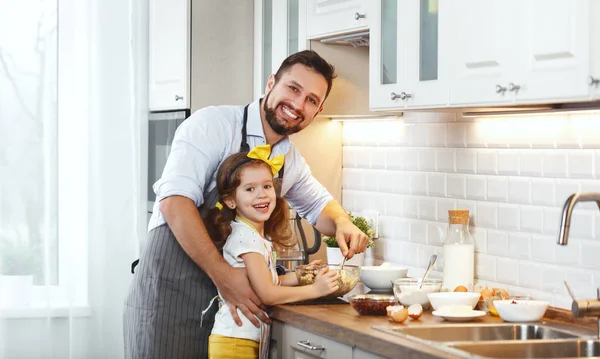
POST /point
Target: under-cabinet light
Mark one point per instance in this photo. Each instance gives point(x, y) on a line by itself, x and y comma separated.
point(366, 118)
point(580, 107)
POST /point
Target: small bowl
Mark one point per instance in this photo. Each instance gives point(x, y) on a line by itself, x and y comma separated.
point(379, 278)
point(372, 304)
point(512, 310)
point(407, 290)
point(347, 280)
point(487, 304)
point(449, 299)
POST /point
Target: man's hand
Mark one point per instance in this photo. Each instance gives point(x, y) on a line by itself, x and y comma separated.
point(350, 239)
point(334, 219)
point(236, 291)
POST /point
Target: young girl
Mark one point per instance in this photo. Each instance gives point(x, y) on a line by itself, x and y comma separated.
point(250, 220)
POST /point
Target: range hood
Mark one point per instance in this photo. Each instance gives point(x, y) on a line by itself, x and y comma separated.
point(356, 39)
point(349, 96)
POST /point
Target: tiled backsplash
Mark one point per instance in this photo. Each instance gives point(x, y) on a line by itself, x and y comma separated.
point(513, 173)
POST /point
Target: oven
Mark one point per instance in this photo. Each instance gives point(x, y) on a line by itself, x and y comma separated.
point(161, 130)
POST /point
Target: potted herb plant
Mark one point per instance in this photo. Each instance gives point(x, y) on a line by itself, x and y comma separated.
point(334, 255)
point(18, 263)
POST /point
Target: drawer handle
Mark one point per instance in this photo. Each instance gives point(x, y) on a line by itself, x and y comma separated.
point(500, 89)
point(594, 81)
point(306, 345)
point(177, 97)
point(513, 88)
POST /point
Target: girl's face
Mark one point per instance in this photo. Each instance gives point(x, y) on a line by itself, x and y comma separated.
point(254, 199)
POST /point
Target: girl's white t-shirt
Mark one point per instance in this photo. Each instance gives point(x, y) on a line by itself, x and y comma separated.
point(243, 239)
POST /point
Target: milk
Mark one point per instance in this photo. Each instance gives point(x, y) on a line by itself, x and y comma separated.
point(459, 265)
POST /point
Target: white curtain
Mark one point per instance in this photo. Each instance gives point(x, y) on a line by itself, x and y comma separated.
point(73, 108)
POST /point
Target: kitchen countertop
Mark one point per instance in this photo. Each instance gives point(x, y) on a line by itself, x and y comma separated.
point(342, 323)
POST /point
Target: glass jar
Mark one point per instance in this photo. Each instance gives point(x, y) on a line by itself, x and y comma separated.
point(292, 257)
point(458, 251)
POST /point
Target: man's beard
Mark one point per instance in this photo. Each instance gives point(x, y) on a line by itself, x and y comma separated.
point(280, 126)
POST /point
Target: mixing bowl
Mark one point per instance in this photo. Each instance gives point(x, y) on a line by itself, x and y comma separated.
point(512, 310)
point(371, 304)
point(407, 290)
point(348, 277)
point(379, 278)
point(449, 299)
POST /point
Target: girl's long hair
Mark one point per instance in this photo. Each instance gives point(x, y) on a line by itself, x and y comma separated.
point(218, 222)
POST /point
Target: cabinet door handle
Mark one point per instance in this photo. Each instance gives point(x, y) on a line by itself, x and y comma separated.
point(402, 96)
point(512, 87)
point(358, 16)
point(177, 98)
point(306, 345)
point(500, 89)
point(594, 81)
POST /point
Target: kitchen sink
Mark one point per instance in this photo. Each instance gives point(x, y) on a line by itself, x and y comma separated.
point(534, 349)
point(482, 332)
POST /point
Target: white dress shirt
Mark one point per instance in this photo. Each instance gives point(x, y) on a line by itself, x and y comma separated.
point(210, 135)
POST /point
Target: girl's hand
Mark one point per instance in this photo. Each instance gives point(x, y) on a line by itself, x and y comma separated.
point(326, 282)
point(314, 263)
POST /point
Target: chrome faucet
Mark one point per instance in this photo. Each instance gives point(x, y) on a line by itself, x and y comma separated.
point(584, 307)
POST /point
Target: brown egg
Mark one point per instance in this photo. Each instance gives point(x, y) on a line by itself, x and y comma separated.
point(399, 316)
point(500, 292)
point(415, 311)
point(461, 288)
point(485, 293)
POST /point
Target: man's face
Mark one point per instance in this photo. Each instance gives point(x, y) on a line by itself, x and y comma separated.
point(292, 103)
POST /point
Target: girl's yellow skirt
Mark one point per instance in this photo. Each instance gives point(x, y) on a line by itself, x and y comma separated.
point(221, 347)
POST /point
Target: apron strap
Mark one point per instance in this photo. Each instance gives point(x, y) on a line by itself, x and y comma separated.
point(244, 147)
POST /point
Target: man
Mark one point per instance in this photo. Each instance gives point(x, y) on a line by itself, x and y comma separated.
point(180, 268)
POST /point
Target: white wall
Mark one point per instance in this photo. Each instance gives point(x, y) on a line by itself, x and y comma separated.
point(325, 159)
point(222, 52)
point(513, 173)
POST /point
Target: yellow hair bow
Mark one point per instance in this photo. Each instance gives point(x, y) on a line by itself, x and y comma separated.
point(219, 206)
point(262, 153)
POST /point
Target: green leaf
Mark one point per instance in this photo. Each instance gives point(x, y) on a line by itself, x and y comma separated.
point(362, 223)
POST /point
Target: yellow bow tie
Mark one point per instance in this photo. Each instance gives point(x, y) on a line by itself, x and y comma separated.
point(262, 153)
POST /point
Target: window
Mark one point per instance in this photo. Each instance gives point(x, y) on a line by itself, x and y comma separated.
point(43, 122)
point(28, 138)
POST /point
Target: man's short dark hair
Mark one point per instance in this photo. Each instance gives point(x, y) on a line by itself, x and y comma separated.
point(312, 60)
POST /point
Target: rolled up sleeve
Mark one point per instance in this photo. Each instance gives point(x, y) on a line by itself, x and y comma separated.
point(307, 196)
point(198, 148)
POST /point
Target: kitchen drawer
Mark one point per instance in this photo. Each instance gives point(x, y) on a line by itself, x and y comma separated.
point(303, 344)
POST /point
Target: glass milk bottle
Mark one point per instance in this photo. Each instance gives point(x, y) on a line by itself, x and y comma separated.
point(458, 251)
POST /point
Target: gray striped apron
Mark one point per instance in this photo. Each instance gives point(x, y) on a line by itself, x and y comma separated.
point(163, 310)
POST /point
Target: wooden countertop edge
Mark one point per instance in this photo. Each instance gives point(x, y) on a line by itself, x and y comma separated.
point(366, 338)
point(341, 323)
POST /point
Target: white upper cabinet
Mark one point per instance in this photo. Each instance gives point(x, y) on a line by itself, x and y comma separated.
point(330, 17)
point(518, 52)
point(594, 78)
point(554, 60)
point(405, 55)
point(483, 44)
point(169, 54)
point(279, 31)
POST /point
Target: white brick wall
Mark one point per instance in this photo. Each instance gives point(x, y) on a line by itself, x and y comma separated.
point(513, 173)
